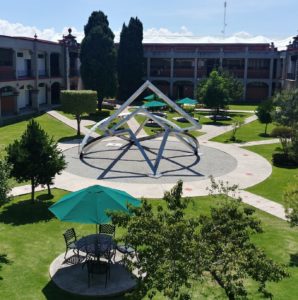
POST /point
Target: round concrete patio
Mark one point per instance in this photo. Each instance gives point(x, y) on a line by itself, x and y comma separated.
point(69, 276)
point(117, 160)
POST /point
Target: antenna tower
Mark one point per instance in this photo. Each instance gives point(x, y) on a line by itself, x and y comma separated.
point(224, 20)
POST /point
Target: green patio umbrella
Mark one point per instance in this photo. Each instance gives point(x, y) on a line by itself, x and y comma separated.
point(89, 205)
point(153, 104)
point(151, 97)
point(187, 101)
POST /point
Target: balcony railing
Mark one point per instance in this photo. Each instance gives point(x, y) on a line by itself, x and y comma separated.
point(264, 74)
point(24, 73)
point(42, 73)
point(184, 72)
point(160, 73)
point(290, 76)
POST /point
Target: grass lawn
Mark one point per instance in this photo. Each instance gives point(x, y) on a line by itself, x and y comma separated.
point(152, 130)
point(96, 117)
point(52, 126)
point(253, 131)
point(273, 187)
point(243, 107)
point(31, 238)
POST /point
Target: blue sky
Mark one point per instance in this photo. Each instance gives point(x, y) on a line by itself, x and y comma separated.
point(271, 18)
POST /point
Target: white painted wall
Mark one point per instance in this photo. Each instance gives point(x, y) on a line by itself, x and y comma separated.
point(41, 65)
point(22, 101)
point(42, 95)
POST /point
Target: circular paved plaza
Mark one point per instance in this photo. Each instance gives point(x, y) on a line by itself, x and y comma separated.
point(117, 161)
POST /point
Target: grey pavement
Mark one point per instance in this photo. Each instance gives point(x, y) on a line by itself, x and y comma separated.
point(251, 169)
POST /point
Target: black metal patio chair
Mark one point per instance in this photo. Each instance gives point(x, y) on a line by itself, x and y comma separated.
point(70, 238)
point(107, 229)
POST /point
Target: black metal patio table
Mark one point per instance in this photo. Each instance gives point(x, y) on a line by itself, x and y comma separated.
point(96, 244)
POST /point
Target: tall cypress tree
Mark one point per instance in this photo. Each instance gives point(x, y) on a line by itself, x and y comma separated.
point(98, 56)
point(130, 58)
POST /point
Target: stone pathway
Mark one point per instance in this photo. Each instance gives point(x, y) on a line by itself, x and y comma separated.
point(251, 169)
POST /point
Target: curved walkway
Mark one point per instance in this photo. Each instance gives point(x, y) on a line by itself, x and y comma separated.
point(251, 169)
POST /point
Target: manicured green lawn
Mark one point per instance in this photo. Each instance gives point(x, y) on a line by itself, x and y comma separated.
point(273, 187)
point(253, 131)
point(152, 130)
point(52, 126)
point(243, 107)
point(31, 238)
point(96, 117)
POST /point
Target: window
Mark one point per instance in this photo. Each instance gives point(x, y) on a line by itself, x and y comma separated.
point(20, 54)
point(5, 57)
point(40, 56)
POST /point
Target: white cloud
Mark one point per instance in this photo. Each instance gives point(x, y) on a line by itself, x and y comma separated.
point(151, 35)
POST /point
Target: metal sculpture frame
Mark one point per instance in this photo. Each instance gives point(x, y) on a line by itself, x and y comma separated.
point(169, 129)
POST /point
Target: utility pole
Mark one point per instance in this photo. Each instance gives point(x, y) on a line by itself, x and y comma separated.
point(224, 20)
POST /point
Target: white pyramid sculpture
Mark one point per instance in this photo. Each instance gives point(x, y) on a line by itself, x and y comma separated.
point(169, 128)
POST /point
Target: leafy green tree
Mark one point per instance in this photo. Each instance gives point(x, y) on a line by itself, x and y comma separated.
point(5, 186)
point(78, 103)
point(214, 92)
point(291, 199)
point(287, 108)
point(165, 240)
point(174, 250)
point(33, 155)
point(98, 57)
point(264, 113)
point(130, 58)
point(234, 86)
point(228, 253)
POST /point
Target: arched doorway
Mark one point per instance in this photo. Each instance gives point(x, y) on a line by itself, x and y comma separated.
point(8, 100)
point(257, 91)
point(55, 93)
point(183, 89)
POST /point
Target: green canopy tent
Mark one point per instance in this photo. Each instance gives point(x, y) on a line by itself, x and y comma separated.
point(151, 97)
point(187, 101)
point(89, 205)
point(154, 104)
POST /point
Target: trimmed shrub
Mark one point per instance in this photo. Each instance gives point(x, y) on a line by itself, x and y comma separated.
point(281, 132)
point(281, 159)
point(78, 103)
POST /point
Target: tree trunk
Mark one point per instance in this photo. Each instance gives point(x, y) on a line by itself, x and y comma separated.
point(266, 128)
point(49, 189)
point(230, 295)
point(78, 117)
point(32, 189)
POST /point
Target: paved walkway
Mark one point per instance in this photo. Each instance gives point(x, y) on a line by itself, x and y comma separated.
point(256, 143)
point(251, 169)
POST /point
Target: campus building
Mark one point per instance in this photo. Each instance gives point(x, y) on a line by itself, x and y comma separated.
point(178, 68)
point(290, 74)
point(33, 71)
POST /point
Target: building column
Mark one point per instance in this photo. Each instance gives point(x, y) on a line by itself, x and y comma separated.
point(16, 108)
point(48, 64)
point(14, 62)
point(172, 77)
point(195, 78)
point(34, 95)
point(148, 67)
point(67, 69)
point(270, 77)
point(245, 78)
point(49, 95)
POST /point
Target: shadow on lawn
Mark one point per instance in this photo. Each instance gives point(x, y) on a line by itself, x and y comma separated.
point(3, 260)
point(73, 139)
point(26, 212)
point(293, 260)
point(52, 292)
